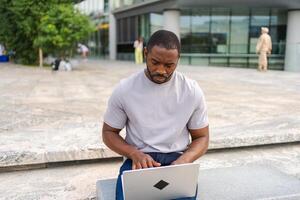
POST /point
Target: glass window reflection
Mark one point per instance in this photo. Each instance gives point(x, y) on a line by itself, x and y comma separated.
point(220, 30)
point(200, 36)
point(239, 31)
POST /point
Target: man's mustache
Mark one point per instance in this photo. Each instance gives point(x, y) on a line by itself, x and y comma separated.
point(160, 75)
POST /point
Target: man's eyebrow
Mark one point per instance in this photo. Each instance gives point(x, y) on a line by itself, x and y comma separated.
point(171, 63)
point(168, 63)
point(155, 60)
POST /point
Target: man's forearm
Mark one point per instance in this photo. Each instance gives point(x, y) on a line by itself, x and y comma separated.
point(195, 150)
point(116, 143)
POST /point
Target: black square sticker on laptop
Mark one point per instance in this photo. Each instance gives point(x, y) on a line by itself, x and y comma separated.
point(161, 184)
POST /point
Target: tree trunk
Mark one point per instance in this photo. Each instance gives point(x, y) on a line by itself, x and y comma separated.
point(41, 57)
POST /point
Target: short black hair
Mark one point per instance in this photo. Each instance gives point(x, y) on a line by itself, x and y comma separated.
point(165, 39)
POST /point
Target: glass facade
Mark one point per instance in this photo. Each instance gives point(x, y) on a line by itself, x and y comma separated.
point(213, 36)
point(98, 11)
point(130, 28)
point(127, 32)
point(228, 37)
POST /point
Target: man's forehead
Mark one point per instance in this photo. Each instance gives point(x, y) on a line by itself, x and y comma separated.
point(156, 49)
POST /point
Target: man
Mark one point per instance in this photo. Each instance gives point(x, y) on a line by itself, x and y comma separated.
point(264, 48)
point(160, 108)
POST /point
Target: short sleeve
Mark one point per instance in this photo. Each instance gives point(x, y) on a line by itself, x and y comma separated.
point(199, 118)
point(115, 115)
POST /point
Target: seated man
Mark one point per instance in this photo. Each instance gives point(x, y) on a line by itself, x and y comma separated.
point(161, 109)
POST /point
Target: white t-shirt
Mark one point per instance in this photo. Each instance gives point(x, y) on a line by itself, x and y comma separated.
point(157, 116)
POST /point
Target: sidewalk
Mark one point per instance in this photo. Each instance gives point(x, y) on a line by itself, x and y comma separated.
point(57, 116)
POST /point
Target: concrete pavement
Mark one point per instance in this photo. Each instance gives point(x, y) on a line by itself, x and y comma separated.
point(50, 116)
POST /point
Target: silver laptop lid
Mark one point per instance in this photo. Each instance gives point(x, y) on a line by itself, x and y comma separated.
point(168, 182)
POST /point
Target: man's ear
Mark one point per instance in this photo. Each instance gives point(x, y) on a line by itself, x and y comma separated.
point(145, 52)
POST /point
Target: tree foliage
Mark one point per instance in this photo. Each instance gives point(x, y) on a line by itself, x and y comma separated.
point(61, 28)
point(53, 25)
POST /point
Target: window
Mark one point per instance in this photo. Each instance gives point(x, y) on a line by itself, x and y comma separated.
point(156, 22)
point(259, 18)
point(185, 32)
point(200, 38)
point(220, 30)
point(239, 31)
point(278, 31)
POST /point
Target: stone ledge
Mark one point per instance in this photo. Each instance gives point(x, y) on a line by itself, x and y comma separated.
point(13, 160)
point(252, 140)
point(79, 181)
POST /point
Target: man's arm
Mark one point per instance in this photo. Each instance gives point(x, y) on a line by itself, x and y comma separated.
point(197, 148)
point(111, 137)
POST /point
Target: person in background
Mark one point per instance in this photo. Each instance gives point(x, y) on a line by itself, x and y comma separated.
point(61, 64)
point(84, 50)
point(263, 48)
point(138, 50)
point(2, 50)
point(55, 64)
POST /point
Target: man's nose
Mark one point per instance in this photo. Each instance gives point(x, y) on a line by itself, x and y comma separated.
point(161, 69)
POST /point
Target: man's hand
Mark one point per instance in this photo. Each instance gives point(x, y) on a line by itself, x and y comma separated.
point(179, 161)
point(141, 160)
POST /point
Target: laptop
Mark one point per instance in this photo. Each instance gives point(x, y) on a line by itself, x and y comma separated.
point(161, 183)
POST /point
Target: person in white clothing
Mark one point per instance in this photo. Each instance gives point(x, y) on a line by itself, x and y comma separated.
point(161, 110)
point(84, 50)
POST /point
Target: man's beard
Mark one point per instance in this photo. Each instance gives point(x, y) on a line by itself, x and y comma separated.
point(153, 75)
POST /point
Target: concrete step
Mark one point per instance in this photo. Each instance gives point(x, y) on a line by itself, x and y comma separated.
point(14, 160)
point(78, 181)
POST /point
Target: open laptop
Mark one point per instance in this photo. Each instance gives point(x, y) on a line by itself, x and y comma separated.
point(161, 183)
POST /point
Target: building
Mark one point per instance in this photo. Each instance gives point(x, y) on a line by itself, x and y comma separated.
point(212, 32)
point(98, 11)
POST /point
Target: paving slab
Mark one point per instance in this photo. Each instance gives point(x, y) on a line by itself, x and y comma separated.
point(78, 182)
point(50, 116)
point(247, 182)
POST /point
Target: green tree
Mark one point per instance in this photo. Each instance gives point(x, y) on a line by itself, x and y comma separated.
point(20, 25)
point(61, 28)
